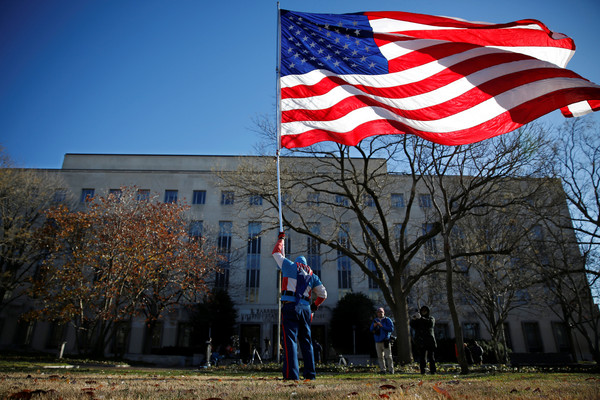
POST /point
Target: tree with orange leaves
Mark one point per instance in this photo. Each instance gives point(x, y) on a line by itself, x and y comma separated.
point(124, 256)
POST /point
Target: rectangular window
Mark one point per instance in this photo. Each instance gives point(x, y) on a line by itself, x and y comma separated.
point(121, 341)
point(170, 196)
point(343, 261)
point(24, 332)
point(154, 335)
point(397, 200)
point(195, 231)
point(398, 238)
point(185, 332)
point(372, 283)
point(508, 336)
point(86, 195)
point(368, 200)
point(431, 244)
point(341, 200)
point(533, 337)
point(56, 335)
point(344, 273)
point(224, 250)
point(313, 249)
point(253, 262)
point(227, 197)
point(256, 200)
point(288, 241)
point(434, 294)
point(471, 330)
point(425, 200)
point(252, 293)
point(441, 330)
point(143, 195)
point(522, 297)
point(313, 199)
point(254, 239)
point(561, 336)
point(199, 197)
point(60, 195)
point(224, 239)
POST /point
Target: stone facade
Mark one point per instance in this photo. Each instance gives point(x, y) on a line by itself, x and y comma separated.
point(179, 175)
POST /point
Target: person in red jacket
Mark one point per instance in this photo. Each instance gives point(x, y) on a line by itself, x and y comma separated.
point(297, 283)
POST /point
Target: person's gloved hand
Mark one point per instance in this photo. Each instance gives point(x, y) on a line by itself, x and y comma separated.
point(281, 235)
point(314, 307)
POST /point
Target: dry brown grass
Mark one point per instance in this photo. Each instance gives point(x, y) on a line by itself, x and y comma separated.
point(137, 385)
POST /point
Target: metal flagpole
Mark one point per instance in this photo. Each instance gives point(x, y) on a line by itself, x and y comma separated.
point(278, 85)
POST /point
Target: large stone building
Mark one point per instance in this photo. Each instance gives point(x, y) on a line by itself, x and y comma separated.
point(215, 210)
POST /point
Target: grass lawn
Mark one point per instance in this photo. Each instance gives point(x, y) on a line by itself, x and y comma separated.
point(28, 379)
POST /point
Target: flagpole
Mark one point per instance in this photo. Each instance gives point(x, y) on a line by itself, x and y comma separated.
point(278, 124)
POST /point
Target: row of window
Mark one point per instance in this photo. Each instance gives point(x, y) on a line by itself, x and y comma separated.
point(531, 334)
point(397, 200)
point(471, 330)
point(530, 330)
point(313, 251)
point(171, 196)
point(228, 198)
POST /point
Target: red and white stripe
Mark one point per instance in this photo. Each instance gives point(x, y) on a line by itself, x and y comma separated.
point(450, 81)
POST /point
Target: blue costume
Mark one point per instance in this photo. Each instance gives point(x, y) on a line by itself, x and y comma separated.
point(297, 283)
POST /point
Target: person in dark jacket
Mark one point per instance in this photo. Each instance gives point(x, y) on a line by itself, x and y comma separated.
point(424, 339)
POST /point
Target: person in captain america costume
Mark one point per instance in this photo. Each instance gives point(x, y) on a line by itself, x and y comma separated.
point(297, 283)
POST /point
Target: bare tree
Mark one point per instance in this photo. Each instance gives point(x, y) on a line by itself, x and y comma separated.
point(330, 191)
point(24, 196)
point(561, 269)
point(492, 284)
point(577, 164)
point(122, 257)
point(565, 261)
point(470, 181)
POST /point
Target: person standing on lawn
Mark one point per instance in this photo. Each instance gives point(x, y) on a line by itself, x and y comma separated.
point(382, 328)
point(423, 324)
point(297, 283)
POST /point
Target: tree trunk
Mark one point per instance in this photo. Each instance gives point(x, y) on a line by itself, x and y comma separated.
point(403, 346)
point(504, 359)
point(150, 326)
point(99, 340)
point(462, 359)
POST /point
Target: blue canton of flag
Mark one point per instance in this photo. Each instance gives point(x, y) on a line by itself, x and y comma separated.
point(342, 44)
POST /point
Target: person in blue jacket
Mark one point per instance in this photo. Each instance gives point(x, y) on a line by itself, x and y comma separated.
point(297, 283)
point(382, 328)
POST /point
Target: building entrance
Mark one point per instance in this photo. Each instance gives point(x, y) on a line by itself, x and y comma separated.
point(250, 345)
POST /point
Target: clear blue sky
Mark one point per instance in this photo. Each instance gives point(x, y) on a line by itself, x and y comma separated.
point(184, 76)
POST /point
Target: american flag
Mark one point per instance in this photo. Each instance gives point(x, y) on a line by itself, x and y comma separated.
point(345, 77)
